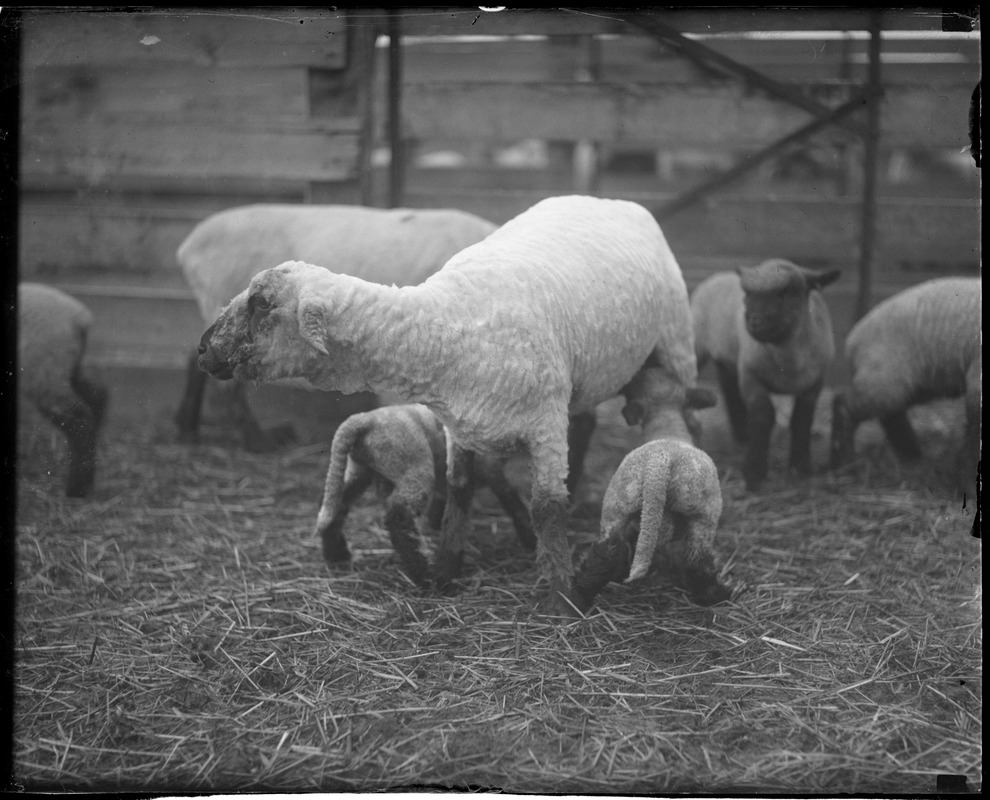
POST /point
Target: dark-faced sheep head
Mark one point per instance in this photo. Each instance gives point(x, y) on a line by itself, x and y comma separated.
point(776, 297)
point(653, 395)
point(263, 334)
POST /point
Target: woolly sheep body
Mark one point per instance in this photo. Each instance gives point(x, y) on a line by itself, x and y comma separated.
point(52, 331)
point(555, 311)
point(922, 344)
point(401, 450)
point(769, 331)
point(389, 246)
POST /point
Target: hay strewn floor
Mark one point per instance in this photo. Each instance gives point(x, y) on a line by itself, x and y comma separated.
point(181, 632)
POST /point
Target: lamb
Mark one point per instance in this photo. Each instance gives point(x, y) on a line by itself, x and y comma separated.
point(768, 330)
point(401, 449)
point(52, 331)
point(666, 491)
point(552, 314)
point(922, 344)
point(221, 255)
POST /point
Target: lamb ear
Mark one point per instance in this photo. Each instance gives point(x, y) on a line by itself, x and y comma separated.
point(699, 397)
point(632, 412)
point(819, 279)
point(313, 325)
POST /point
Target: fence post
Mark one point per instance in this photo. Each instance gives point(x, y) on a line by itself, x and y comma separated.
point(872, 143)
point(396, 166)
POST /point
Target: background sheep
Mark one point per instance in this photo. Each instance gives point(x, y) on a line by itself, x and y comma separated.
point(922, 344)
point(768, 330)
point(402, 451)
point(554, 312)
point(221, 255)
point(665, 492)
point(52, 329)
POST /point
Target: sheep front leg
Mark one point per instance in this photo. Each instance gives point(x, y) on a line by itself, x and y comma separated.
point(403, 509)
point(841, 447)
point(761, 415)
point(256, 440)
point(549, 504)
point(580, 428)
point(900, 433)
point(735, 407)
point(460, 491)
point(188, 415)
point(493, 476)
point(75, 419)
point(801, 419)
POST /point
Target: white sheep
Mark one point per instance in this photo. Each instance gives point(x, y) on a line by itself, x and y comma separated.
point(52, 330)
point(401, 450)
point(553, 313)
point(665, 492)
point(768, 330)
point(224, 251)
point(922, 344)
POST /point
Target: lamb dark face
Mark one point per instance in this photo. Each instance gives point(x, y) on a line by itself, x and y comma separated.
point(776, 297)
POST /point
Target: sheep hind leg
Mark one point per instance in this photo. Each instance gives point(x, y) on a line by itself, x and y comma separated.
point(190, 409)
point(493, 476)
point(728, 381)
point(761, 421)
point(841, 447)
point(331, 528)
point(460, 492)
point(74, 417)
point(580, 429)
point(802, 417)
point(695, 561)
point(900, 433)
point(401, 515)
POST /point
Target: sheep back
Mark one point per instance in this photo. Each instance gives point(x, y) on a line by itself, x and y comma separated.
point(587, 283)
point(389, 246)
point(916, 346)
point(52, 328)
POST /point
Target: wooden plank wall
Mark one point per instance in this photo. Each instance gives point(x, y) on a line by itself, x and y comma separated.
point(602, 86)
point(136, 125)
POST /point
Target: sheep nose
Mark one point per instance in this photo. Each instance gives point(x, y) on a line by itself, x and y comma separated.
point(204, 340)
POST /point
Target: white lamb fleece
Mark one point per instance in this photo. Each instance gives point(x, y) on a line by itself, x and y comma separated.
point(52, 328)
point(553, 312)
point(401, 246)
point(921, 344)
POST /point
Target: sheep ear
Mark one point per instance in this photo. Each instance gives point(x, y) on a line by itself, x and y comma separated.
point(632, 412)
point(819, 279)
point(313, 326)
point(698, 397)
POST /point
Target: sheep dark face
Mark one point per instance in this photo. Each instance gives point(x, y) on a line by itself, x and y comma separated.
point(256, 335)
point(776, 298)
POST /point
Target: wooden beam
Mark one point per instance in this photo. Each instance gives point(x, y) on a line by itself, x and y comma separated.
point(872, 143)
point(396, 170)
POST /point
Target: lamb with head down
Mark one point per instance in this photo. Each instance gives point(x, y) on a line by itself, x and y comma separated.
point(549, 316)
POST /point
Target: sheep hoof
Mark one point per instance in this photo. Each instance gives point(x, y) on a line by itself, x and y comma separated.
point(337, 554)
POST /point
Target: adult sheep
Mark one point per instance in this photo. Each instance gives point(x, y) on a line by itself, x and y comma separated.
point(922, 344)
point(552, 314)
point(768, 330)
point(51, 344)
point(224, 251)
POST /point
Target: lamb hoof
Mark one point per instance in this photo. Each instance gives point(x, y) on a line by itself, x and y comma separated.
point(337, 554)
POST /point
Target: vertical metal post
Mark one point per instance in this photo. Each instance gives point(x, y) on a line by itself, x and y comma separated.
point(872, 142)
point(396, 169)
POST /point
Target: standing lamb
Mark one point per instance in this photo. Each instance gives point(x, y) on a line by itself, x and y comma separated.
point(665, 492)
point(401, 450)
point(52, 330)
point(922, 344)
point(552, 314)
point(221, 255)
point(768, 330)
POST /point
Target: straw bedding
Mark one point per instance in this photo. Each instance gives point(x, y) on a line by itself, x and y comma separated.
point(181, 632)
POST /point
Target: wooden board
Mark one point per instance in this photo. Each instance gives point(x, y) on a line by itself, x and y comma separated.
point(664, 115)
point(165, 91)
point(93, 152)
point(250, 37)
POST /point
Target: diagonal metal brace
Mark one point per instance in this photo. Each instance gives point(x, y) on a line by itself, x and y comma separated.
point(857, 103)
point(703, 54)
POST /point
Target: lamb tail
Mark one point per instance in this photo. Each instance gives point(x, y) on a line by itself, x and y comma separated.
point(656, 476)
point(349, 431)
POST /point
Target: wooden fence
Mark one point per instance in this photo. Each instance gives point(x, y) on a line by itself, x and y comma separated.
point(137, 125)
